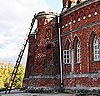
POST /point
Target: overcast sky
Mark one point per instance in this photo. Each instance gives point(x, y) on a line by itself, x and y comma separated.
point(15, 19)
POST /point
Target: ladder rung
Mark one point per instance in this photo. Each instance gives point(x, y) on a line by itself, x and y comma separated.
point(12, 79)
point(18, 61)
point(22, 50)
point(15, 66)
point(24, 45)
point(13, 73)
point(20, 55)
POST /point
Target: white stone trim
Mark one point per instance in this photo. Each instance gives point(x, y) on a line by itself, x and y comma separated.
point(74, 21)
point(90, 75)
point(81, 28)
point(79, 19)
point(44, 76)
point(84, 17)
point(66, 25)
point(82, 87)
point(89, 15)
point(70, 23)
point(43, 88)
point(62, 26)
point(95, 13)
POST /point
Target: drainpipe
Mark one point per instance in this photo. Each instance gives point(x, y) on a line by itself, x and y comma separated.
point(60, 48)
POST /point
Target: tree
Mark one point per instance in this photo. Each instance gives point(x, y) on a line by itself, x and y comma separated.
point(19, 77)
point(6, 72)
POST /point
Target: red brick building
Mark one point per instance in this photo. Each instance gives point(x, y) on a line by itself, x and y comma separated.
point(64, 51)
point(42, 68)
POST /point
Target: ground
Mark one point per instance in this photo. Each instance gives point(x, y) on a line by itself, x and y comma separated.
point(35, 94)
point(21, 93)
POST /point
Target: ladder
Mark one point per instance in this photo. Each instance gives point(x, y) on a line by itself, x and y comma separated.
point(13, 76)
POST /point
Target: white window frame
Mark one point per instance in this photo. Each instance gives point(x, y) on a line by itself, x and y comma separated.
point(67, 56)
point(78, 52)
point(96, 49)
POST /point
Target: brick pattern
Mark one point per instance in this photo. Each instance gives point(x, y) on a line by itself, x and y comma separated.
point(43, 55)
point(81, 22)
point(82, 82)
point(31, 53)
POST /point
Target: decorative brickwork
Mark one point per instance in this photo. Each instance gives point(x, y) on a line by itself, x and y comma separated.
point(43, 54)
point(81, 23)
point(77, 26)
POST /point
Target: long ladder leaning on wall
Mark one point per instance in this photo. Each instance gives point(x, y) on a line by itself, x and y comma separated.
point(13, 76)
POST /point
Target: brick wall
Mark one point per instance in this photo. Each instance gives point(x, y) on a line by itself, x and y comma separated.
point(81, 22)
point(43, 54)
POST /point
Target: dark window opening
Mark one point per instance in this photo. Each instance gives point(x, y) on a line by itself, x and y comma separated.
point(48, 47)
point(78, 1)
point(69, 3)
point(37, 46)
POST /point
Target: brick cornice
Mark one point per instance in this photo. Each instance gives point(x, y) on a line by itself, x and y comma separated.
point(76, 7)
point(80, 28)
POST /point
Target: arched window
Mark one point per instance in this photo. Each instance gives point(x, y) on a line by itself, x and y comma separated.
point(96, 49)
point(78, 52)
point(67, 54)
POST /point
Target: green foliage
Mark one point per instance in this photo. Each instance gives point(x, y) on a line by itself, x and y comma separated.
point(6, 72)
point(19, 77)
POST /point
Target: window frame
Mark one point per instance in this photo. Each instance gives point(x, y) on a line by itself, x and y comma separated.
point(67, 56)
point(96, 49)
point(78, 52)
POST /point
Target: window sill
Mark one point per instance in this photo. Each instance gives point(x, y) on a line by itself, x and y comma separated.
point(77, 63)
point(67, 63)
point(96, 61)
